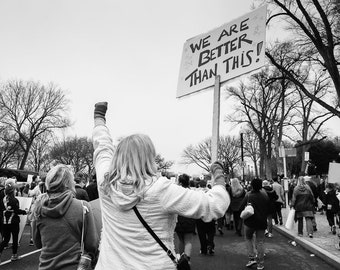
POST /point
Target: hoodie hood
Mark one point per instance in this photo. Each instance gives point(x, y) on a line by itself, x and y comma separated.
point(302, 188)
point(57, 204)
point(268, 188)
point(124, 196)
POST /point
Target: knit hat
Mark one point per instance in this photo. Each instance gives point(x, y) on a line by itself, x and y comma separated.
point(10, 185)
point(265, 183)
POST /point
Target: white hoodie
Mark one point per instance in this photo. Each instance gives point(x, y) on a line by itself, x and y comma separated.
point(125, 243)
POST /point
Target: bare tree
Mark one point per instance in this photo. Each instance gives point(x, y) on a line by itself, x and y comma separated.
point(74, 151)
point(264, 104)
point(162, 164)
point(251, 149)
point(228, 154)
point(316, 34)
point(30, 109)
point(8, 148)
point(38, 159)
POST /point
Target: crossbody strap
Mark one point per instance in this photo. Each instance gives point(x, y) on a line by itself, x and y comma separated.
point(159, 241)
point(82, 229)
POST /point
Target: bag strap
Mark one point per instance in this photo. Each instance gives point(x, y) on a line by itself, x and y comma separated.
point(159, 241)
point(82, 229)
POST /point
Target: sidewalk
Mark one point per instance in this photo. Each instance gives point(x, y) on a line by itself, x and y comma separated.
point(323, 242)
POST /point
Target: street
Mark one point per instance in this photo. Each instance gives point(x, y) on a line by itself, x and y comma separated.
point(230, 253)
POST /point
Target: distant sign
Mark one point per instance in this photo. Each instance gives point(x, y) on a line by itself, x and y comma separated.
point(230, 50)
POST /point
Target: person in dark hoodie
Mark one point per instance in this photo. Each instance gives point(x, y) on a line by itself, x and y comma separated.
point(237, 195)
point(303, 203)
point(256, 224)
point(11, 210)
point(81, 193)
point(58, 221)
point(331, 203)
point(272, 209)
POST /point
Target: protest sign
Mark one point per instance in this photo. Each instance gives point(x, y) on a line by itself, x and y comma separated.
point(229, 51)
point(334, 172)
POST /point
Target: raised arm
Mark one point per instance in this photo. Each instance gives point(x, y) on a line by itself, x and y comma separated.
point(102, 142)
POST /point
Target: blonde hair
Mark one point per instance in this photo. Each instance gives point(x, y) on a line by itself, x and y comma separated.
point(236, 187)
point(59, 179)
point(301, 181)
point(134, 162)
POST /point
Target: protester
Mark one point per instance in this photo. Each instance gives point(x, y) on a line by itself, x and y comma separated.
point(58, 221)
point(33, 192)
point(185, 227)
point(2, 206)
point(127, 177)
point(279, 202)
point(256, 224)
point(92, 189)
point(303, 203)
point(314, 189)
point(237, 195)
point(229, 222)
point(332, 207)
point(206, 232)
point(81, 193)
point(272, 199)
point(11, 210)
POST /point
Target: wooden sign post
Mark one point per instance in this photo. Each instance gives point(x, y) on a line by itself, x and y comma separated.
point(216, 120)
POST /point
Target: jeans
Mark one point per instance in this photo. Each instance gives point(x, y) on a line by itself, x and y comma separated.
point(255, 246)
point(309, 225)
point(278, 213)
point(206, 234)
point(270, 223)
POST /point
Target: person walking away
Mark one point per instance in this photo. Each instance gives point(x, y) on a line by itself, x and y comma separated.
point(229, 223)
point(127, 176)
point(256, 224)
point(272, 199)
point(185, 227)
point(81, 193)
point(206, 233)
point(11, 210)
point(331, 203)
point(278, 188)
point(237, 195)
point(58, 221)
point(303, 203)
point(315, 192)
point(2, 196)
point(92, 189)
point(33, 192)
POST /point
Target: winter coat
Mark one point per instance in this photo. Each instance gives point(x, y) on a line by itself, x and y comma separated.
point(272, 199)
point(125, 243)
point(331, 202)
point(236, 200)
point(57, 231)
point(260, 202)
point(11, 211)
point(303, 201)
point(279, 192)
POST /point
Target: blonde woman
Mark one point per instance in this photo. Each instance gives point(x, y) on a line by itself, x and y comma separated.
point(58, 220)
point(303, 203)
point(237, 195)
point(127, 177)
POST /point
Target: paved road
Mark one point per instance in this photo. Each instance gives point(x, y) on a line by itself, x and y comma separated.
point(230, 254)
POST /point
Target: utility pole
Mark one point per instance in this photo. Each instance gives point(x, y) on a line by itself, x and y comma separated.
point(242, 157)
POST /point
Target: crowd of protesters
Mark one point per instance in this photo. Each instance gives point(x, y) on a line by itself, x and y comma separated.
point(141, 211)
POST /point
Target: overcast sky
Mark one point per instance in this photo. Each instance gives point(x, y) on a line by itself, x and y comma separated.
point(125, 52)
